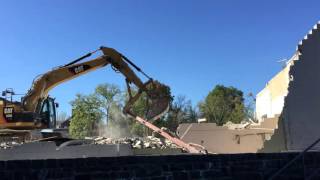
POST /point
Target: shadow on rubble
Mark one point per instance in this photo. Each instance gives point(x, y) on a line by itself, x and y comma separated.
point(277, 143)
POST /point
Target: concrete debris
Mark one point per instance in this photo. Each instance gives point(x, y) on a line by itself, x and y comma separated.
point(233, 126)
point(138, 143)
point(9, 144)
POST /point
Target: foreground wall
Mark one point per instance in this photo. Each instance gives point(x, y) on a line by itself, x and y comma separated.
point(233, 166)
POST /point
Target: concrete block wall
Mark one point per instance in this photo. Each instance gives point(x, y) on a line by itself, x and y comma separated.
point(232, 166)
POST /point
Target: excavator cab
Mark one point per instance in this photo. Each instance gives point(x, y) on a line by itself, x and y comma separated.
point(46, 114)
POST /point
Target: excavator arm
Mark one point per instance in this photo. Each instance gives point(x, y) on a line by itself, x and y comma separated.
point(157, 93)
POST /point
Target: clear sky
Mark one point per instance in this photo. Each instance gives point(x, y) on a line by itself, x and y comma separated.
point(189, 45)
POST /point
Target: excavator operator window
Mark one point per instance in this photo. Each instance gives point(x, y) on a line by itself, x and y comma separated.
point(52, 112)
point(44, 114)
point(48, 113)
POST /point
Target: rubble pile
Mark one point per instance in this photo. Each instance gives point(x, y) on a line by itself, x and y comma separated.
point(8, 144)
point(138, 143)
point(10, 138)
point(135, 142)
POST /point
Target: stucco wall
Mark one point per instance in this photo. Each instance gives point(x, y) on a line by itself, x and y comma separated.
point(294, 93)
point(301, 112)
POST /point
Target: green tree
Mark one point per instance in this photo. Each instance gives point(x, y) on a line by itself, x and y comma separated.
point(86, 116)
point(109, 95)
point(107, 102)
point(112, 100)
point(223, 104)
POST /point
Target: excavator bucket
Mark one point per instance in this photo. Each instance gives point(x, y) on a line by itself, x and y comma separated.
point(158, 100)
point(157, 97)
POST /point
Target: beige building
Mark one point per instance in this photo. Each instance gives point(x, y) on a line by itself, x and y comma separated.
point(227, 139)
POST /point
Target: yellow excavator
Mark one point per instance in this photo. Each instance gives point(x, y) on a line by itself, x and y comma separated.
point(37, 110)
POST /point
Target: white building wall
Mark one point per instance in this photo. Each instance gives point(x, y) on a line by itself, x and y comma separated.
point(277, 105)
point(270, 101)
point(263, 104)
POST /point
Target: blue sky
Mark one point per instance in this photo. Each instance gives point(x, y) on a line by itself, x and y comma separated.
point(189, 45)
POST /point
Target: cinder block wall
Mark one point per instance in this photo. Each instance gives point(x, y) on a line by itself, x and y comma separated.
point(232, 166)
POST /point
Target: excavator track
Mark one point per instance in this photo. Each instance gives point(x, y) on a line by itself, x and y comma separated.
point(18, 136)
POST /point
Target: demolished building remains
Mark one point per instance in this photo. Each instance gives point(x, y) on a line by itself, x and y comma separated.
point(286, 110)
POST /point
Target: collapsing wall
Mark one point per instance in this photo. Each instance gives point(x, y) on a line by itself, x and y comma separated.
point(301, 110)
point(299, 124)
